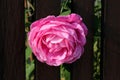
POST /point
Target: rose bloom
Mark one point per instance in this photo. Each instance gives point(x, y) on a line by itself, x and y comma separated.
point(58, 40)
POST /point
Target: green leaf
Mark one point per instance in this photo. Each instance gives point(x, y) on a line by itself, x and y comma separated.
point(29, 70)
point(66, 12)
point(28, 52)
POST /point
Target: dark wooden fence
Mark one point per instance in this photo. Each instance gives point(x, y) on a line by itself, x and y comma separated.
point(12, 40)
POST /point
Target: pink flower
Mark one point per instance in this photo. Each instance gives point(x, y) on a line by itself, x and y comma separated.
point(58, 40)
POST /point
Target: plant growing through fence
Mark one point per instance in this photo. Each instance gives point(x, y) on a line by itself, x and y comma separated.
point(97, 34)
point(29, 9)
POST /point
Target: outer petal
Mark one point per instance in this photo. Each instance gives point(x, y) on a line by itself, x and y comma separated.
point(42, 21)
point(70, 18)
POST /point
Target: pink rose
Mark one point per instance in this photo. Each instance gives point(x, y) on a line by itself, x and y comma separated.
point(58, 40)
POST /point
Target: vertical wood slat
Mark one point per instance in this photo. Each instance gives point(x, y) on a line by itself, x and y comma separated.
point(111, 34)
point(82, 69)
point(2, 12)
point(12, 40)
point(43, 9)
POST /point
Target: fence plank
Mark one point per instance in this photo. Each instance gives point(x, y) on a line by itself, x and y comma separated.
point(12, 39)
point(2, 9)
point(82, 69)
point(111, 34)
point(43, 9)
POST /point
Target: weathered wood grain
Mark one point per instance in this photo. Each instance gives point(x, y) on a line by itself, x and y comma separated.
point(12, 39)
point(111, 40)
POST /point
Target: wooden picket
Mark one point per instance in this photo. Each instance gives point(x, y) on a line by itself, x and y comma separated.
point(111, 40)
point(43, 9)
point(82, 69)
point(12, 39)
